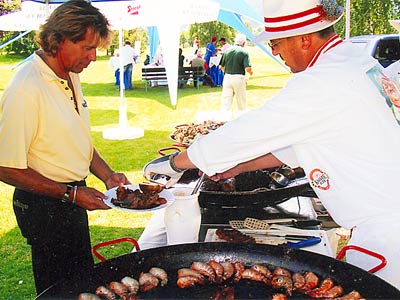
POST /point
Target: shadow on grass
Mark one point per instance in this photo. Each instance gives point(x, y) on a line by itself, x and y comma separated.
point(159, 93)
point(257, 87)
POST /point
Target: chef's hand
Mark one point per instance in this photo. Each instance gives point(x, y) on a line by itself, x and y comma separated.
point(227, 174)
point(163, 166)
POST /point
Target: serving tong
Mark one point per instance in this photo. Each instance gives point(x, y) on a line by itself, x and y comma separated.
point(256, 227)
point(252, 223)
point(277, 234)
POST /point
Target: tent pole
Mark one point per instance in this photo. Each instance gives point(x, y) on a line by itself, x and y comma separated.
point(14, 39)
point(122, 103)
point(122, 131)
point(347, 19)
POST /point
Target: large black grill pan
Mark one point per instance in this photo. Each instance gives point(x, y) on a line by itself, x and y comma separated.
point(253, 190)
point(172, 258)
point(258, 198)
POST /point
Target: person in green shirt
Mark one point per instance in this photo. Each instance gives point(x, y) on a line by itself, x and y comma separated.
point(235, 63)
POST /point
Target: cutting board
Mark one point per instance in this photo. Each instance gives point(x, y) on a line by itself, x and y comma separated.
point(323, 247)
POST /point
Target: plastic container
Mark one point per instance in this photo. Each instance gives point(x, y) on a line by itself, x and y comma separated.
point(183, 217)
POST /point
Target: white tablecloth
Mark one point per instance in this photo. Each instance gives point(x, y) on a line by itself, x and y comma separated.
point(214, 60)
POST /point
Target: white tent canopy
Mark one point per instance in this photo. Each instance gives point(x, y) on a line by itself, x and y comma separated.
point(167, 17)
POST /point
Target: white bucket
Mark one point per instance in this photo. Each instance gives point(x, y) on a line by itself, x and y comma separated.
point(183, 218)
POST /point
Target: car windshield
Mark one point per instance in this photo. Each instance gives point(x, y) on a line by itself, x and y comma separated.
point(386, 49)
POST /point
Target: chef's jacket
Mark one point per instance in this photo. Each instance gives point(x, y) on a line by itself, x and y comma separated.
point(333, 121)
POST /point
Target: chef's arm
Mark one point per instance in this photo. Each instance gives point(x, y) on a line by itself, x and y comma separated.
point(182, 161)
point(102, 170)
point(262, 162)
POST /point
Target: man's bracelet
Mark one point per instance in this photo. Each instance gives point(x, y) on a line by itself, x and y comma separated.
point(74, 197)
point(172, 164)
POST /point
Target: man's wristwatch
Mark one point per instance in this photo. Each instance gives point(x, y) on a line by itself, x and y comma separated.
point(67, 194)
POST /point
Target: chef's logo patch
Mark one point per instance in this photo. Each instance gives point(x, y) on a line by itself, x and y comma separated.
point(319, 179)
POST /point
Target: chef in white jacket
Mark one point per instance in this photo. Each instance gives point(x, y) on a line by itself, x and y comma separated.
point(332, 118)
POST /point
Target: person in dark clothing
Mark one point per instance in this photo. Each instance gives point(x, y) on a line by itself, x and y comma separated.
point(181, 61)
point(199, 62)
point(147, 60)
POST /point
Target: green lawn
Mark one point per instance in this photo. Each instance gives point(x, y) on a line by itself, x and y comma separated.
point(152, 112)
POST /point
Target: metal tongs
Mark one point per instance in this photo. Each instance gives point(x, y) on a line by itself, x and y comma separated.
point(198, 184)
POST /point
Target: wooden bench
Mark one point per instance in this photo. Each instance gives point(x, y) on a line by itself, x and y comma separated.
point(159, 73)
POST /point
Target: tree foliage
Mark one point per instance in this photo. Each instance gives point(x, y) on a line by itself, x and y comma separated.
point(132, 35)
point(7, 6)
point(23, 46)
point(204, 31)
point(370, 17)
point(367, 17)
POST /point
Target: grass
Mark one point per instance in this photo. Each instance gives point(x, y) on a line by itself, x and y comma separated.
point(151, 111)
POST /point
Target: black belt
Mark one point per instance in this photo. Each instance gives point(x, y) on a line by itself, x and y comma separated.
point(77, 183)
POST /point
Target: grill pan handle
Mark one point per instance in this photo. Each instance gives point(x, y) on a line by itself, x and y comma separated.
point(112, 242)
point(162, 150)
point(383, 263)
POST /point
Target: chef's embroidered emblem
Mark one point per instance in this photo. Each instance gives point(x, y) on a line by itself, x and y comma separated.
point(319, 179)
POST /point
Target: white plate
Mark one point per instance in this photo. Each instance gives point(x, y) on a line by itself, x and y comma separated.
point(112, 193)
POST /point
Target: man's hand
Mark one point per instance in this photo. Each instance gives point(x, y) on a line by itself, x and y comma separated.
point(116, 179)
point(90, 198)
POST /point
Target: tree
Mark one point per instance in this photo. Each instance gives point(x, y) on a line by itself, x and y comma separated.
point(7, 6)
point(369, 16)
point(205, 31)
point(23, 46)
point(132, 35)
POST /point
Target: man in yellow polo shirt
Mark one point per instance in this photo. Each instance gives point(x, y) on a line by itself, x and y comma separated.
point(46, 150)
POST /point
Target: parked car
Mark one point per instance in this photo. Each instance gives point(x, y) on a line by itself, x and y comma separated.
point(384, 47)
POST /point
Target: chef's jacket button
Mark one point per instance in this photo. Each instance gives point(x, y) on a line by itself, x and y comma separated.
point(66, 88)
point(62, 82)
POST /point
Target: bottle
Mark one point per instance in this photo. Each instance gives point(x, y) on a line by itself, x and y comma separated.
point(183, 217)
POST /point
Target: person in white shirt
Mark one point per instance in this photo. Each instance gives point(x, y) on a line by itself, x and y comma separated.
point(225, 45)
point(128, 61)
point(330, 118)
point(114, 64)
